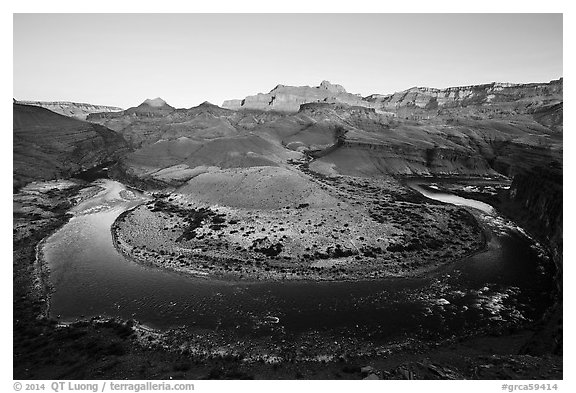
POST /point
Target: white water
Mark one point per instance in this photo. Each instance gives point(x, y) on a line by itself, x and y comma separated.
point(453, 199)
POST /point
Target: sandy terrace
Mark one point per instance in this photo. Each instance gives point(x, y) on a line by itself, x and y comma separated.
point(368, 229)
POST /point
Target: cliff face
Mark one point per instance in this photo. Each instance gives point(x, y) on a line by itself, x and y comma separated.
point(72, 109)
point(535, 203)
point(376, 144)
point(525, 95)
point(493, 100)
point(551, 116)
point(48, 145)
point(539, 193)
point(289, 98)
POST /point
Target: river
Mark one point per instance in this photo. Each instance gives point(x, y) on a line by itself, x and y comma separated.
point(504, 284)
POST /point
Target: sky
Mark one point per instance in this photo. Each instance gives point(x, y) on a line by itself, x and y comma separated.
point(122, 59)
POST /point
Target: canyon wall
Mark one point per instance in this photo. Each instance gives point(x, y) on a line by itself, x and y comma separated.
point(488, 94)
point(49, 146)
point(72, 109)
point(535, 202)
point(539, 195)
point(492, 100)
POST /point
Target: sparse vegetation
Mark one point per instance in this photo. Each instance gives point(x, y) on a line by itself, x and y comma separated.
point(326, 242)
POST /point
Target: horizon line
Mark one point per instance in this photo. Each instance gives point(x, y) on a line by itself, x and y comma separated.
point(16, 100)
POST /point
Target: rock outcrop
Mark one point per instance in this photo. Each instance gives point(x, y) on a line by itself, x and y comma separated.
point(77, 110)
point(487, 101)
point(374, 144)
point(151, 107)
point(535, 202)
point(49, 146)
point(538, 192)
point(493, 100)
point(289, 98)
point(156, 107)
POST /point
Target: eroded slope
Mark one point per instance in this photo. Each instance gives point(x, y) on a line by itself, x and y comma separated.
point(48, 145)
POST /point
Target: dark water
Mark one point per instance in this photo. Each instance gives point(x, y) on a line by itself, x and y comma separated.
point(507, 283)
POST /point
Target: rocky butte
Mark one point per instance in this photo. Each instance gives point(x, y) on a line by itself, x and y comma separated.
point(289, 98)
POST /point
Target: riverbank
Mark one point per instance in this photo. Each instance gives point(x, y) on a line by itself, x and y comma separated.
point(533, 200)
point(40, 209)
point(373, 230)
